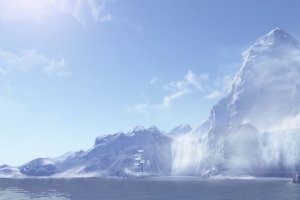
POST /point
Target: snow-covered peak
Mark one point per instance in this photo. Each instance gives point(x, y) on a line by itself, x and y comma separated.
point(143, 129)
point(106, 138)
point(39, 167)
point(275, 42)
point(265, 91)
point(138, 128)
point(180, 130)
point(277, 36)
point(138, 131)
point(153, 128)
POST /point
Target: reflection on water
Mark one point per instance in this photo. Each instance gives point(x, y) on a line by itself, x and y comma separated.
point(20, 194)
point(23, 189)
point(167, 188)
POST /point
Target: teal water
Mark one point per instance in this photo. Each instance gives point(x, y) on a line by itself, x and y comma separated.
point(163, 188)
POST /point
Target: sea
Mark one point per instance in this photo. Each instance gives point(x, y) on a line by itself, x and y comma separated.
point(154, 188)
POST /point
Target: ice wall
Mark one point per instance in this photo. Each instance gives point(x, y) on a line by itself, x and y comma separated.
point(187, 154)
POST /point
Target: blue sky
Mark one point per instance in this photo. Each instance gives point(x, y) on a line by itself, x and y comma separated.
point(71, 70)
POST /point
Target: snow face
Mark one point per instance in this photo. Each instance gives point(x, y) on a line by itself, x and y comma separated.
point(255, 127)
point(7, 171)
point(187, 153)
point(115, 152)
point(180, 130)
point(39, 167)
point(233, 148)
point(111, 155)
point(265, 90)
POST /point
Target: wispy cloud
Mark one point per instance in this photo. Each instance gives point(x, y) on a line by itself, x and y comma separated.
point(168, 99)
point(82, 10)
point(29, 60)
point(190, 80)
point(213, 95)
point(191, 83)
point(218, 87)
point(154, 80)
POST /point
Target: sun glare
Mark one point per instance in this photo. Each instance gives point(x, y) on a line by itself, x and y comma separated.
point(22, 10)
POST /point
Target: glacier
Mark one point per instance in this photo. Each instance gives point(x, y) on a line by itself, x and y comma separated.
point(253, 130)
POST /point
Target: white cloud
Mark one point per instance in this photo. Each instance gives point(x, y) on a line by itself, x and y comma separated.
point(29, 60)
point(213, 95)
point(105, 18)
point(154, 80)
point(218, 87)
point(82, 10)
point(191, 83)
point(168, 99)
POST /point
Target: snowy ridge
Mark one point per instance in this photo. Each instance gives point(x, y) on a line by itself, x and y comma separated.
point(180, 130)
point(111, 155)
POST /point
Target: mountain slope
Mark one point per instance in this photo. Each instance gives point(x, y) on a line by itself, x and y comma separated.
point(261, 108)
point(111, 155)
point(266, 89)
point(179, 131)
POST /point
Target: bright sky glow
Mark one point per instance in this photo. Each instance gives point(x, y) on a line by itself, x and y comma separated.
point(71, 70)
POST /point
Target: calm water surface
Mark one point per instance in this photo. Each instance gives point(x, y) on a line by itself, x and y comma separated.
point(163, 188)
